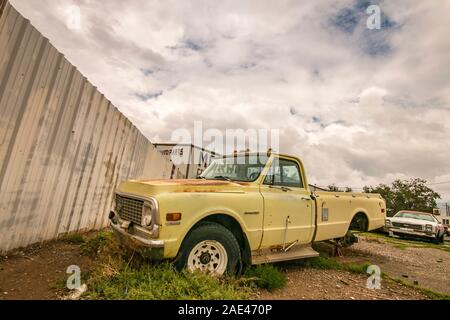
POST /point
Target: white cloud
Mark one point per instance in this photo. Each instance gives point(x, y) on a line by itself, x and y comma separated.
point(359, 107)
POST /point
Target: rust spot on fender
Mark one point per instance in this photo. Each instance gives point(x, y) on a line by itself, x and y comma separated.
point(187, 182)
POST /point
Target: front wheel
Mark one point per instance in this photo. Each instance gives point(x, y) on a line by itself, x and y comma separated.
point(210, 248)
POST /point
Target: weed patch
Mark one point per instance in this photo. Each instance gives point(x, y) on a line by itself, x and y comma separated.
point(75, 238)
point(118, 281)
point(323, 262)
point(265, 277)
point(95, 244)
point(123, 275)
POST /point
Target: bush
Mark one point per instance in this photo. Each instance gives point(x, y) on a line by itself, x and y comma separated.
point(93, 245)
point(266, 277)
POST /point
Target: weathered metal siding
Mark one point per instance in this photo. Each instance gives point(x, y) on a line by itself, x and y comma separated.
point(63, 146)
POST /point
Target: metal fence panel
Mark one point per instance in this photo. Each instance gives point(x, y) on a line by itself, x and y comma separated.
point(63, 146)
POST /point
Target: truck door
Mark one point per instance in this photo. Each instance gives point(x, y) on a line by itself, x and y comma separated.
point(288, 207)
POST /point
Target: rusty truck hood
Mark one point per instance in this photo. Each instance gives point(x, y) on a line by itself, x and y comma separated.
point(153, 187)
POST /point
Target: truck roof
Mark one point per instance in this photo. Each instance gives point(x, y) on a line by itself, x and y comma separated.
point(247, 153)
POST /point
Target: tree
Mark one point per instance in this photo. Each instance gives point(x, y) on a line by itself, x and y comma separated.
point(411, 194)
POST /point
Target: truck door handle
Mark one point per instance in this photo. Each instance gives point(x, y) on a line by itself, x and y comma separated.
point(305, 199)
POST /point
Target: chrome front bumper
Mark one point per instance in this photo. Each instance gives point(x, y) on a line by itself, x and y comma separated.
point(412, 233)
point(149, 243)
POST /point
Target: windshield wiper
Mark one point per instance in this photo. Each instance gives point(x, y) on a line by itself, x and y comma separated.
point(201, 177)
point(222, 178)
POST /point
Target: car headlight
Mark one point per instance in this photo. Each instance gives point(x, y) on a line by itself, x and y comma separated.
point(149, 213)
point(147, 220)
point(388, 223)
point(429, 228)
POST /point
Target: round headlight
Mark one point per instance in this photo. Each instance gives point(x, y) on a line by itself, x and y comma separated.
point(147, 220)
point(148, 212)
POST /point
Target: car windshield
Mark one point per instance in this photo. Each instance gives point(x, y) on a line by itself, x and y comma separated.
point(245, 168)
point(414, 215)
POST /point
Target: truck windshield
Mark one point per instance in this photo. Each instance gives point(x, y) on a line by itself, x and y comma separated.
point(414, 215)
point(245, 168)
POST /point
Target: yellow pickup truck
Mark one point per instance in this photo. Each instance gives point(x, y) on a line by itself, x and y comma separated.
point(245, 208)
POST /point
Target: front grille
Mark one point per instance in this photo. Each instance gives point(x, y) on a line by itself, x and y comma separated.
point(416, 227)
point(129, 209)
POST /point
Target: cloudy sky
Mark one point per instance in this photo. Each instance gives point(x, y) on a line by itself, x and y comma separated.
point(359, 106)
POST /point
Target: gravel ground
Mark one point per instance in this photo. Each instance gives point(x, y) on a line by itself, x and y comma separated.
point(427, 267)
point(315, 284)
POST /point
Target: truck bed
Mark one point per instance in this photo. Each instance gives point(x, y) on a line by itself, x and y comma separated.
point(336, 210)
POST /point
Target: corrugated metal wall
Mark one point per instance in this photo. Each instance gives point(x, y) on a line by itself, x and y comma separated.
point(63, 146)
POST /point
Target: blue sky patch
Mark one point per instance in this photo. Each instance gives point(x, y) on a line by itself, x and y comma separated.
point(148, 96)
point(353, 18)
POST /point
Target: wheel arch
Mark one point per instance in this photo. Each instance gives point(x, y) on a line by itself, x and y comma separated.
point(356, 215)
point(231, 223)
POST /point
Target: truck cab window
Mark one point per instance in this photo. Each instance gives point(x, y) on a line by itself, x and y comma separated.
point(284, 173)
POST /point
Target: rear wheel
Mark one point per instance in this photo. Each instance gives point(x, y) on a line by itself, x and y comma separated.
point(210, 248)
point(359, 223)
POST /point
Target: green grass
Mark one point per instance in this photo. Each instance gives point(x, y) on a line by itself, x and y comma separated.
point(120, 274)
point(162, 282)
point(93, 245)
point(266, 277)
point(402, 244)
point(74, 238)
point(324, 262)
point(59, 284)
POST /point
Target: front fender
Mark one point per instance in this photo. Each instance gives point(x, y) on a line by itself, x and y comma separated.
point(196, 207)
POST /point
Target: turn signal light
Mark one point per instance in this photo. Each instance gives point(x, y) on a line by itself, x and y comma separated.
point(173, 216)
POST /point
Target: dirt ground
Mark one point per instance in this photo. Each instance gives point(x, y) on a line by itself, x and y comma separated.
point(33, 273)
point(315, 284)
point(427, 267)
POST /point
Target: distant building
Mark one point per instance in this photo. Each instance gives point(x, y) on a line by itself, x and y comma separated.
point(193, 160)
point(444, 214)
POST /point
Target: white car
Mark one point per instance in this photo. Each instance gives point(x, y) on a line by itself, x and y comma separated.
point(416, 224)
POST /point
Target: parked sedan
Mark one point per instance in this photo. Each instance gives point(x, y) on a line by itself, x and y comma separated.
point(416, 224)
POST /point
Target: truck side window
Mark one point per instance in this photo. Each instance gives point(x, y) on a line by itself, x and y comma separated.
point(269, 177)
point(284, 173)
